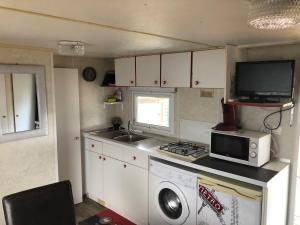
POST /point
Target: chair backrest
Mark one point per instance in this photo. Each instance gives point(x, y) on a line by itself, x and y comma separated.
point(46, 205)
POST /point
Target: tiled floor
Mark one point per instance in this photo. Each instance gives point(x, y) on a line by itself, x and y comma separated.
point(87, 209)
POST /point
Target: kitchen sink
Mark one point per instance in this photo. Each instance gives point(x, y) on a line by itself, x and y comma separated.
point(129, 138)
point(108, 134)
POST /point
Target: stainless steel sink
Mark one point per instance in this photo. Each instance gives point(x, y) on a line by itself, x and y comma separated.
point(129, 138)
point(108, 134)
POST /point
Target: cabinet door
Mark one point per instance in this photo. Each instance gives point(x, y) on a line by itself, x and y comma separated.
point(148, 71)
point(3, 107)
point(176, 70)
point(94, 175)
point(125, 71)
point(113, 183)
point(24, 93)
point(209, 69)
point(135, 193)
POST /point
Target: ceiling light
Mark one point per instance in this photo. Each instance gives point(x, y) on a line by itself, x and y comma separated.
point(274, 14)
point(75, 48)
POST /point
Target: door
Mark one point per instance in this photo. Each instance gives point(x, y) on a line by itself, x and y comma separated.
point(135, 193)
point(113, 183)
point(209, 69)
point(25, 101)
point(68, 128)
point(148, 71)
point(176, 70)
point(171, 203)
point(94, 175)
point(125, 71)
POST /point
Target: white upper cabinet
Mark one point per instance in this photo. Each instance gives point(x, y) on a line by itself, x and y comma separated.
point(176, 70)
point(209, 69)
point(125, 71)
point(148, 71)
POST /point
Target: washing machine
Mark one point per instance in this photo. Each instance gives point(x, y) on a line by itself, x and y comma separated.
point(172, 194)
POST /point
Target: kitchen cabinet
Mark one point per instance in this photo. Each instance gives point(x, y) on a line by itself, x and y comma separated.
point(126, 189)
point(135, 185)
point(148, 71)
point(125, 71)
point(209, 69)
point(113, 188)
point(118, 177)
point(176, 70)
point(94, 175)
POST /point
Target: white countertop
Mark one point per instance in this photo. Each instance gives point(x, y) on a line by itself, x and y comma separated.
point(151, 146)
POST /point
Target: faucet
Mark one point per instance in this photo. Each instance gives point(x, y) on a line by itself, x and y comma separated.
point(129, 131)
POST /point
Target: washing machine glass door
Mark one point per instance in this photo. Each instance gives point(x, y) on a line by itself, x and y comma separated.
point(171, 203)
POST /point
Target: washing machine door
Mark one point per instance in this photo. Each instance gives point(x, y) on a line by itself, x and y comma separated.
point(171, 203)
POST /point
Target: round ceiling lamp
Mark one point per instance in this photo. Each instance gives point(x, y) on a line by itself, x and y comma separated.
point(274, 14)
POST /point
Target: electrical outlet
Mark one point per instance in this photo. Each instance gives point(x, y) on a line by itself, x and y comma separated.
point(207, 93)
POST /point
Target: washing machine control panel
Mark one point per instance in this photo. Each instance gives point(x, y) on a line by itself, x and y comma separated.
point(173, 174)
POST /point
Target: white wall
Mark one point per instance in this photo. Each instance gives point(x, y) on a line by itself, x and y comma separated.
point(32, 162)
point(188, 106)
point(92, 113)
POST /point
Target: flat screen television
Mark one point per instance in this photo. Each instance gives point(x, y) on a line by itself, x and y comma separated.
point(265, 79)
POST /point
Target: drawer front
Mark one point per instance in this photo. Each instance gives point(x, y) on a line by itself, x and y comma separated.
point(136, 157)
point(92, 145)
point(113, 151)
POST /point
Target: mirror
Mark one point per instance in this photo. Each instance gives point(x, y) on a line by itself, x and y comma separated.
point(22, 102)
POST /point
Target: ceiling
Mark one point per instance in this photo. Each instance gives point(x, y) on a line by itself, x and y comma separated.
point(112, 28)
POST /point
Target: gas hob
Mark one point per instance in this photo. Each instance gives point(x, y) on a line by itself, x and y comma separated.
point(185, 150)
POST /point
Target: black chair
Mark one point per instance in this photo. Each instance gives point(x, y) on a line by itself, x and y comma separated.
point(46, 205)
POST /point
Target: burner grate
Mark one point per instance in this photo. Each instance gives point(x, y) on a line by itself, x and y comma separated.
point(185, 149)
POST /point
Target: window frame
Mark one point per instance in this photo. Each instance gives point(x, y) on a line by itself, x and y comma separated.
point(153, 128)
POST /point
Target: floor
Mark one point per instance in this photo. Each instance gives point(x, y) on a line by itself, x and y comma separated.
point(87, 209)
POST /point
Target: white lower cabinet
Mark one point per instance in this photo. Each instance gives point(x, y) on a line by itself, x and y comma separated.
point(126, 190)
point(94, 175)
point(112, 183)
point(122, 185)
point(135, 193)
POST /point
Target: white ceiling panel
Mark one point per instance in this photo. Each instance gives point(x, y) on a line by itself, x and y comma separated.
point(214, 22)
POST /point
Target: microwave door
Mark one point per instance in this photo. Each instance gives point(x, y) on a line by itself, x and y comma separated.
point(230, 146)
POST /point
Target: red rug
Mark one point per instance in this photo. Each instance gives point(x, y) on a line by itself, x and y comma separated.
point(116, 218)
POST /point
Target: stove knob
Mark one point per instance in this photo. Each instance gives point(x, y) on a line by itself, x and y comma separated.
point(253, 154)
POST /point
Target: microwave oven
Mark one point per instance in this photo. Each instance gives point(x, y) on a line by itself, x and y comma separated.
point(245, 147)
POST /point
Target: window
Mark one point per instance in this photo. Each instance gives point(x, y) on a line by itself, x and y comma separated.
point(154, 111)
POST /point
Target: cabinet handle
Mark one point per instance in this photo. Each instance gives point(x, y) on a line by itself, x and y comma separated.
point(76, 138)
point(196, 82)
point(155, 82)
point(100, 157)
point(104, 158)
point(17, 115)
point(164, 82)
point(124, 165)
point(134, 157)
point(93, 145)
point(3, 117)
point(131, 82)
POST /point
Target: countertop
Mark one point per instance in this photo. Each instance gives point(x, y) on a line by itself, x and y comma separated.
point(252, 175)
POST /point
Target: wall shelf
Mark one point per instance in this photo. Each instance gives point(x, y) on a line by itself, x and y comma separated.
point(256, 104)
point(105, 104)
